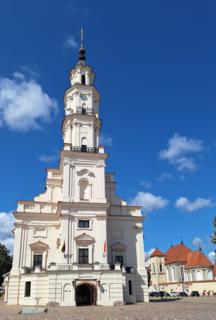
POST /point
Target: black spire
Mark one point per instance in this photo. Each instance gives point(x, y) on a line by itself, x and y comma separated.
point(82, 56)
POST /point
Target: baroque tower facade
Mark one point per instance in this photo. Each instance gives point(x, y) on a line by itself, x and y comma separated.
point(78, 243)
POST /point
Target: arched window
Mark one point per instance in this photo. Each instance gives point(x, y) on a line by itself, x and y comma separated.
point(83, 79)
point(182, 273)
point(193, 275)
point(84, 189)
point(209, 275)
point(84, 108)
point(161, 267)
point(84, 144)
point(173, 274)
point(199, 275)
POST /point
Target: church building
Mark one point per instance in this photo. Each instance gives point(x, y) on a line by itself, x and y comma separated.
point(78, 243)
point(181, 269)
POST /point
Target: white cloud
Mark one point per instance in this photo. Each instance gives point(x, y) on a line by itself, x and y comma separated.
point(197, 242)
point(48, 158)
point(105, 140)
point(149, 201)
point(189, 206)
point(181, 152)
point(212, 256)
point(70, 42)
point(31, 72)
point(165, 176)
point(146, 184)
point(147, 255)
point(24, 104)
point(6, 226)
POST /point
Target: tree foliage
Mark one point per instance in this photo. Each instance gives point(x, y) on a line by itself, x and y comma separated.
point(214, 222)
point(213, 237)
point(5, 261)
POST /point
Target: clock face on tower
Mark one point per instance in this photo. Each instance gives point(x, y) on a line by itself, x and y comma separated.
point(83, 97)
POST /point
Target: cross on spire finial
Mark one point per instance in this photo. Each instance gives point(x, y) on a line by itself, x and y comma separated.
point(82, 57)
point(81, 37)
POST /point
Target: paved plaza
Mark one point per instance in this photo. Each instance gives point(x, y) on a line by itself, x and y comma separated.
point(203, 308)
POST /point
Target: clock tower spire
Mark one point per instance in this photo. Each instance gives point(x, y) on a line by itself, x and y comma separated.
point(82, 56)
point(81, 130)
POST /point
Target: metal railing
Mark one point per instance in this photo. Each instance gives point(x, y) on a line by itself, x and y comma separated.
point(85, 111)
point(84, 149)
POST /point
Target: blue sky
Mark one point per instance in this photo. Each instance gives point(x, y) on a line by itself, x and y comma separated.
point(155, 70)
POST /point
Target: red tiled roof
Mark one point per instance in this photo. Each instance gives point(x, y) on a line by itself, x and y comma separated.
point(157, 253)
point(177, 254)
point(197, 259)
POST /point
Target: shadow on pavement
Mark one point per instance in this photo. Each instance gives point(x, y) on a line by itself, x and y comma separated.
point(164, 300)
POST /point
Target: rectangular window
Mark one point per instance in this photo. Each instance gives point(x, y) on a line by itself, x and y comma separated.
point(84, 224)
point(83, 256)
point(119, 259)
point(37, 260)
point(28, 289)
point(130, 290)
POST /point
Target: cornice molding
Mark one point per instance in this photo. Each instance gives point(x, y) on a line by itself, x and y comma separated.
point(67, 121)
point(85, 155)
point(83, 205)
point(36, 215)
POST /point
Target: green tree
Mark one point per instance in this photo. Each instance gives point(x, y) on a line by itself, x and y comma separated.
point(5, 261)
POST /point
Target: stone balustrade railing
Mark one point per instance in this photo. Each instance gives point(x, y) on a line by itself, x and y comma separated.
point(36, 207)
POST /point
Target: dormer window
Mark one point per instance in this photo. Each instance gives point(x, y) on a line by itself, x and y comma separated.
point(83, 79)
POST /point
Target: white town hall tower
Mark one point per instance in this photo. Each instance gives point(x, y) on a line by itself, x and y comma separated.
point(78, 243)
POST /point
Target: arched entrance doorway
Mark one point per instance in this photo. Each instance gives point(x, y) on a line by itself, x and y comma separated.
point(85, 295)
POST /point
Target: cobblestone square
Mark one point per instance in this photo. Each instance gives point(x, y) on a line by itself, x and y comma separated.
point(203, 308)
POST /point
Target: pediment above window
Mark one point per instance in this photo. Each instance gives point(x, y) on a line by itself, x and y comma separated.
point(84, 172)
point(84, 239)
point(118, 246)
point(39, 246)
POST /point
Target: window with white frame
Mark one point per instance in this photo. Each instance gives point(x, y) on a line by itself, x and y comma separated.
point(83, 224)
point(37, 260)
point(39, 253)
point(83, 256)
point(27, 292)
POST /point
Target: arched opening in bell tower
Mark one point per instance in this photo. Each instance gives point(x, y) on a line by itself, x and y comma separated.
point(84, 145)
point(84, 108)
point(83, 79)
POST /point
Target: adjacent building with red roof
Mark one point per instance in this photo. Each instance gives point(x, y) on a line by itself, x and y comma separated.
point(182, 269)
point(157, 253)
point(177, 254)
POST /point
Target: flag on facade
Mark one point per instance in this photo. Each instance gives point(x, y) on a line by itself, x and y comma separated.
point(105, 249)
